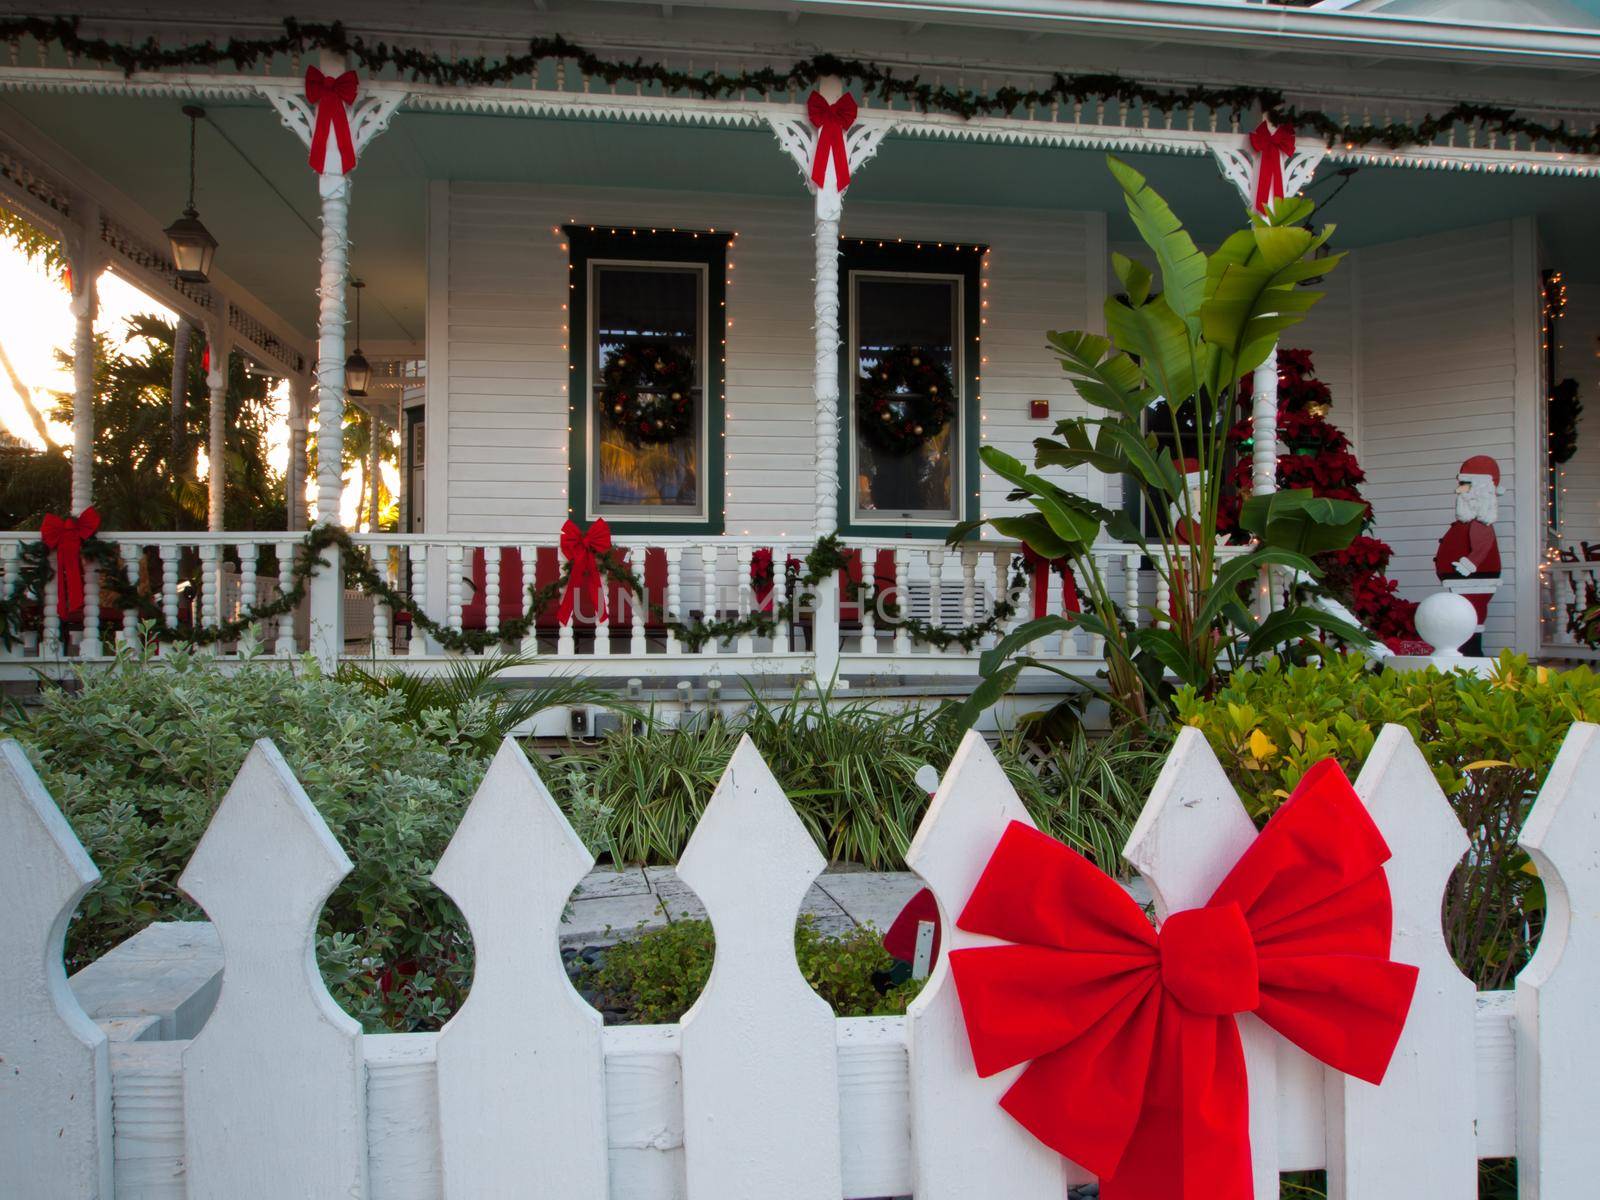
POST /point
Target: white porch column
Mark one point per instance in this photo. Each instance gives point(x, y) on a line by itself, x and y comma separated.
point(295, 474)
point(85, 261)
point(84, 257)
point(217, 344)
point(368, 116)
point(799, 139)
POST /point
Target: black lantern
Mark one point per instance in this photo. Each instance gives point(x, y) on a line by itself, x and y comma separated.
point(192, 243)
point(357, 370)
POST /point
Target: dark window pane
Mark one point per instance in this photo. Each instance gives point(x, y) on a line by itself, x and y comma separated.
point(647, 309)
point(894, 315)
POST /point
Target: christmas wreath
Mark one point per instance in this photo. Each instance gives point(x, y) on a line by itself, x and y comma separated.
point(907, 398)
point(646, 392)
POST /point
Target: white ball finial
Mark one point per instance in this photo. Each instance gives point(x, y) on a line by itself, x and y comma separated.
point(1446, 620)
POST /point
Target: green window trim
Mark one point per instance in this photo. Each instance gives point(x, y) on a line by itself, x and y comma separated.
point(691, 248)
point(948, 259)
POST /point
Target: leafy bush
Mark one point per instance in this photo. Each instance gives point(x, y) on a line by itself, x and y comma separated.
point(655, 977)
point(1489, 741)
point(140, 755)
point(849, 769)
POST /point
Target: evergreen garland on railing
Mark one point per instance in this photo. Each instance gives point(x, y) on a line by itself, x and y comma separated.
point(827, 557)
point(885, 83)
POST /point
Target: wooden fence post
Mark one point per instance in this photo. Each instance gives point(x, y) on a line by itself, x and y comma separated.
point(1558, 1050)
point(55, 1084)
point(963, 1144)
point(1192, 831)
point(521, 1069)
point(760, 1063)
point(274, 1086)
point(1377, 1146)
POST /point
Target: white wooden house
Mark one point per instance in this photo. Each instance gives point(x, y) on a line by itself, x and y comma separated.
point(511, 235)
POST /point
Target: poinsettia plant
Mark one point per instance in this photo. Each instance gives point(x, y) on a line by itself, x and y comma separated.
point(1178, 341)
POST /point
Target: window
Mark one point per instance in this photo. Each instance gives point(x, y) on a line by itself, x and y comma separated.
point(647, 378)
point(909, 458)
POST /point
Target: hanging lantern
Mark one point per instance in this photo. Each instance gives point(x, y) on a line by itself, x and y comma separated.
point(357, 370)
point(192, 244)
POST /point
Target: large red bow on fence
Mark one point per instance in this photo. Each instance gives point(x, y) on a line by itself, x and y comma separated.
point(582, 550)
point(831, 121)
point(66, 535)
point(1273, 147)
point(1137, 1071)
point(332, 96)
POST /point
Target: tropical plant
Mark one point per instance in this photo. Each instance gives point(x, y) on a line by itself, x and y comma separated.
point(1490, 742)
point(1174, 356)
point(469, 704)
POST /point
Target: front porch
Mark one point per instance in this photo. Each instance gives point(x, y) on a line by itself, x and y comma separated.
point(461, 220)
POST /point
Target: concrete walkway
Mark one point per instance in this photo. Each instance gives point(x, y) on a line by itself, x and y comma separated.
point(611, 905)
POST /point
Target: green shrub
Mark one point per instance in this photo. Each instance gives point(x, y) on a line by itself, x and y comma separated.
point(849, 769)
point(139, 756)
point(1490, 742)
point(656, 976)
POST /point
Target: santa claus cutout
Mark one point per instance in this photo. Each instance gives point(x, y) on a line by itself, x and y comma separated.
point(1468, 558)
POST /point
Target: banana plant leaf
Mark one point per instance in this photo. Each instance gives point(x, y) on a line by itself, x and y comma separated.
point(1301, 522)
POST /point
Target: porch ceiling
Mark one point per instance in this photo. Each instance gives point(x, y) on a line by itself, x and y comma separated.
point(257, 195)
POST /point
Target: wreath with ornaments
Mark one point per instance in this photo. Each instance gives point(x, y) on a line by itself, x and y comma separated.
point(905, 399)
point(647, 392)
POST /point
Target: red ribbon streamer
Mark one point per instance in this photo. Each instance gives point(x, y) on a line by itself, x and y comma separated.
point(582, 550)
point(332, 96)
point(1136, 1071)
point(831, 120)
point(1274, 147)
point(66, 535)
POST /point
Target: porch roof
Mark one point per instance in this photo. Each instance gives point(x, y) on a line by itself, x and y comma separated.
point(257, 196)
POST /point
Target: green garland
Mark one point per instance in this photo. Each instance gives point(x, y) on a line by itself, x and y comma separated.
point(883, 82)
point(825, 559)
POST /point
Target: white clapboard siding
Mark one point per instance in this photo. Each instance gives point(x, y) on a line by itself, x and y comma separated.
point(507, 361)
point(1438, 378)
point(760, 1091)
point(274, 1094)
point(967, 1145)
point(1558, 1049)
point(760, 1080)
point(511, 867)
point(53, 1064)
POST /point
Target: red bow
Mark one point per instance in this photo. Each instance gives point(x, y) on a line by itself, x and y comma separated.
point(831, 121)
point(1040, 567)
point(331, 96)
point(66, 535)
point(1137, 1072)
point(1274, 146)
point(583, 580)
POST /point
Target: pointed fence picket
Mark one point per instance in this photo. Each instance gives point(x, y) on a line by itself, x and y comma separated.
point(760, 1091)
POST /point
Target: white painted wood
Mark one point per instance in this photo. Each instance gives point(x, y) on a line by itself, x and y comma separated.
point(1558, 1052)
point(262, 872)
point(758, 1042)
point(55, 1084)
point(1376, 1148)
point(645, 1110)
point(965, 1144)
point(1189, 836)
point(521, 1070)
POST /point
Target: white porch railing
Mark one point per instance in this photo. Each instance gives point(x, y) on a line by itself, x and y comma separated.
point(759, 1091)
point(1567, 589)
point(480, 583)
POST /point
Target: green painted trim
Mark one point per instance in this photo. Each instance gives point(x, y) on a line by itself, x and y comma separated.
point(685, 246)
point(871, 254)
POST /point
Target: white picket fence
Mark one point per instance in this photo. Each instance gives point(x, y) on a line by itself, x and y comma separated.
point(759, 1093)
